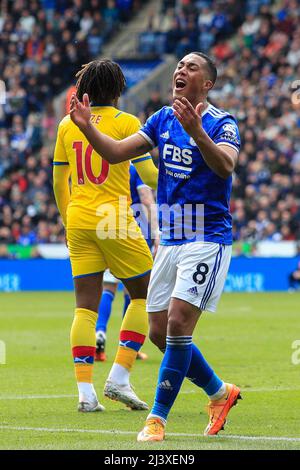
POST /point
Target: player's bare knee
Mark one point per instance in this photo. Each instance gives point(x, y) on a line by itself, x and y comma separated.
point(180, 322)
point(182, 318)
point(157, 338)
point(178, 326)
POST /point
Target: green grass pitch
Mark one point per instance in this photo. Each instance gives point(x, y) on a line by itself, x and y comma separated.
point(249, 342)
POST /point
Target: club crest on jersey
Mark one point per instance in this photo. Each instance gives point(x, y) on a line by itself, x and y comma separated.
point(229, 128)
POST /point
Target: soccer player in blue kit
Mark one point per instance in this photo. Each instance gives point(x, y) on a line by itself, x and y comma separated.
point(198, 149)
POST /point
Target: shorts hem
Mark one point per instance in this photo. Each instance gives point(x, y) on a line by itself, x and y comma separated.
point(206, 309)
point(133, 277)
point(86, 275)
point(210, 309)
point(154, 309)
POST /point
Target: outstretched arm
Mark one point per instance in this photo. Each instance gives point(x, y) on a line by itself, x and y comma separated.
point(220, 158)
point(61, 175)
point(114, 151)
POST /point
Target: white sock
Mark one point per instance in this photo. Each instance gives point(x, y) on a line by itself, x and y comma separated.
point(119, 375)
point(159, 417)
point(86, 391)
point(101, 333)
point(219, 394)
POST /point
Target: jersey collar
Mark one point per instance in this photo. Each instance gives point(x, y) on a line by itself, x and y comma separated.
point(206, 109)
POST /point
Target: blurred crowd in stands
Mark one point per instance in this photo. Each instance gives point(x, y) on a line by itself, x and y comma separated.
point(256, 46)
point(42, 45)
point(257, 67)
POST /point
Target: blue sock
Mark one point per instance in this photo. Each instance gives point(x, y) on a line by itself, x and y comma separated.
point(201, 374)
point(172, 372)
point(126, 303)
point(104, 310)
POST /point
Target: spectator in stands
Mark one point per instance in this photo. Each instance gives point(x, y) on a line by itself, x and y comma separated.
point(42, 44)
point(154, 103)
point(257, 50)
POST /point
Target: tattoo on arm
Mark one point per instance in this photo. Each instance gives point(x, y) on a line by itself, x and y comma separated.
point(143, 148)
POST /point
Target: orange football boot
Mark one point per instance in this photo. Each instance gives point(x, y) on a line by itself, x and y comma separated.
point(100, 356)
point(154, 430)
point(219, 409)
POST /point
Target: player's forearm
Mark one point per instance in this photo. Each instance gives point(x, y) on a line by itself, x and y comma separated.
point(115, 151)
point(215, 157)
point(61, 191)
point(62, 198)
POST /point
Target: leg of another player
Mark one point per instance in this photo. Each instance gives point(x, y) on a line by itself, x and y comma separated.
point(126, 301)
point(140, 355)
point(134, 330)
point(104, 313)
point(83, 339)
point(105, 306)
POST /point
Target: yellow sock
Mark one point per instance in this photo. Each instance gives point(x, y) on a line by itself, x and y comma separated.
point(83, 343)
point(133, 333)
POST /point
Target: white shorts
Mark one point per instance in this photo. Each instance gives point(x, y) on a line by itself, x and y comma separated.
point(109, 277)
point(194, 272)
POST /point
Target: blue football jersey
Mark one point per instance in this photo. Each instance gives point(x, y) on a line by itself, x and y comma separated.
point(136, 204)
point(193, 201)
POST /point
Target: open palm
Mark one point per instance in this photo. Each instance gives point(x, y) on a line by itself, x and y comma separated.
point(80, 113)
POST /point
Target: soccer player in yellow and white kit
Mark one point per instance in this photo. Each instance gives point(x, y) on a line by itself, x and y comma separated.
point(102, 233)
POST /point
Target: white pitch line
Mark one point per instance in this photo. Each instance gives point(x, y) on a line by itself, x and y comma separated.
point(246, 390)
point(283, 389)
point(184, 392)
point(130, 433)
point(35, 397)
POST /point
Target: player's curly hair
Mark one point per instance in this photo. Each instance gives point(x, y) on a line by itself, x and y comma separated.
point(102, 79)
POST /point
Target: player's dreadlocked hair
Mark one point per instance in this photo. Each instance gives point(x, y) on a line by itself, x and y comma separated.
point(102, 80)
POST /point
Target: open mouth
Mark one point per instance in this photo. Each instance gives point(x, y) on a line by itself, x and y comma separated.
point(180, 84)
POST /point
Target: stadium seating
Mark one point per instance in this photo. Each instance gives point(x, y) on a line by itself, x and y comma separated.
point(257, 54)
point(42, 45)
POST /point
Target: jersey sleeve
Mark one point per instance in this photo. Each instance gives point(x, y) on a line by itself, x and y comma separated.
point(149, 130)
point(133, 126)
point(227, 133)
point(60, 154)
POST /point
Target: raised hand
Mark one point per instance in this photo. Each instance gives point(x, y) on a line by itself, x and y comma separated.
point(80, 113)
point(189, 118)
